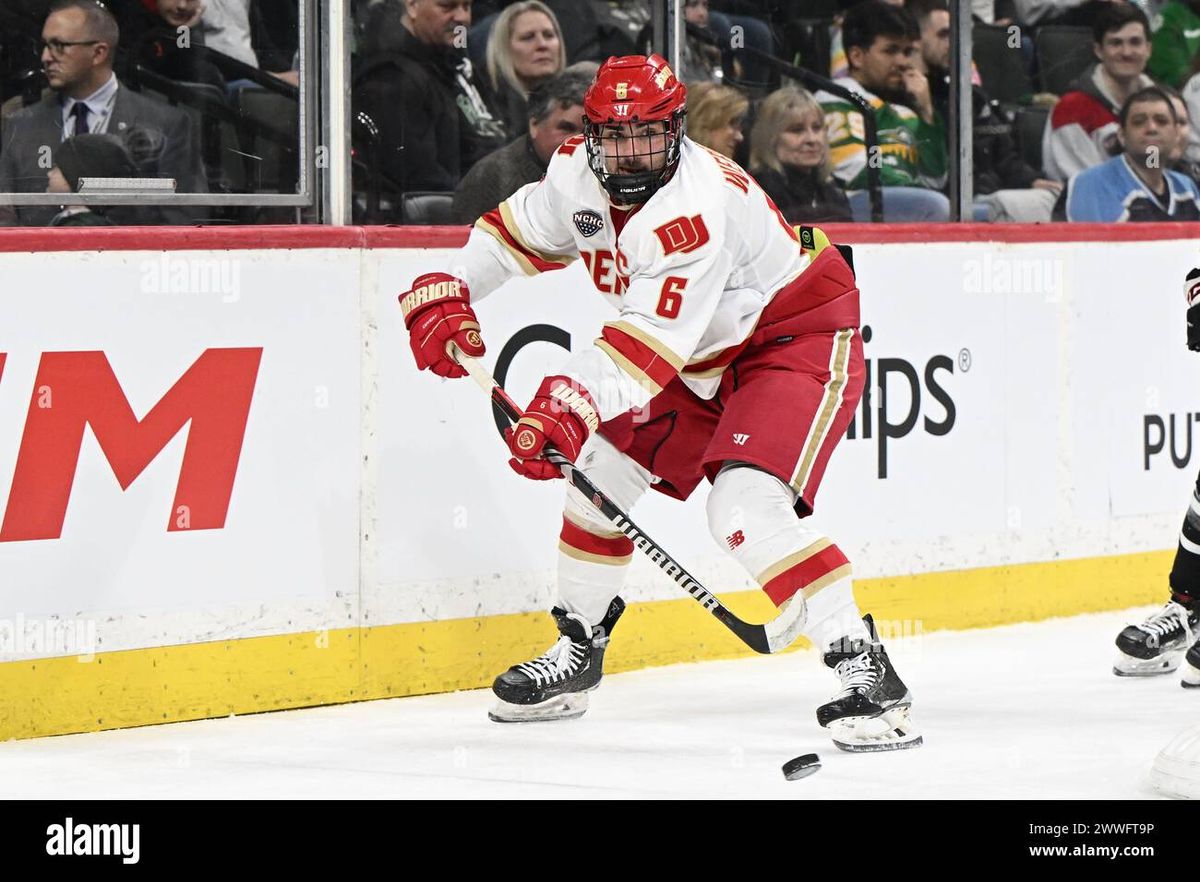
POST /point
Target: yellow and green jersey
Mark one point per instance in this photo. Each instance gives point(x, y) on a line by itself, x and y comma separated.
point(912, 153)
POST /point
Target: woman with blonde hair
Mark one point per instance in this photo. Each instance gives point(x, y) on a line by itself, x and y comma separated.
point(525, 48)
point(715, 114)
point(789, 156)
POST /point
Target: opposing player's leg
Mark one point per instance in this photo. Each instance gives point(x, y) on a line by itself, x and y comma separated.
point(1158, 644)
point(592, 561)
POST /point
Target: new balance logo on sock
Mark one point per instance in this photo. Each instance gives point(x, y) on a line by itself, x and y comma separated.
point(735, 540)
point(739, 439)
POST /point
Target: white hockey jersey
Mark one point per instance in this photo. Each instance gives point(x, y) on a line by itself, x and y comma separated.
point(690, 270)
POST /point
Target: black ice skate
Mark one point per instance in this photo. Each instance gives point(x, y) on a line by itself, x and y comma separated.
point(872, 711)
point(554, 686)
point(1191, 667)
point(1157, 645)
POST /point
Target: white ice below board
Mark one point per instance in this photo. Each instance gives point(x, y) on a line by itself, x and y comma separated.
point(1028, 711)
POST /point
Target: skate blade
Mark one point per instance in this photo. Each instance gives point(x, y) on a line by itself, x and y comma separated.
point(561, 707)
point(1128, 666)
point(891, 730)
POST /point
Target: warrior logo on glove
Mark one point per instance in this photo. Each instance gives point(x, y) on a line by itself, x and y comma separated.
point(561, 415)
point(437, 312)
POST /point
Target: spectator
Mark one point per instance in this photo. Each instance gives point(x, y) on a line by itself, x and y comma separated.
point(166, 35)
point(700, 60)
point(838, 66)
point(275, 34)
point(912, 136)
point(1191, 97)
point(80, 38)
point(1074, 13)
point(226, 25)
point(715, 117)
point(421, 95)
point(231, 28)
point(1082, 129)
point(1176, 43)
point(555, 114)
point(1006, 187)
point(90, 156)
point(789, 156)
point(1183, 158)
point(525, 48)
point(1136, 185)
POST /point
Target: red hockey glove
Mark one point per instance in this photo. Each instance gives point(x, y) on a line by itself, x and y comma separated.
point(561, 414)
point(437, 311)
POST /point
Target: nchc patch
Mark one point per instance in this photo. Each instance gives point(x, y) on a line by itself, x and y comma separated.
point(588, 222)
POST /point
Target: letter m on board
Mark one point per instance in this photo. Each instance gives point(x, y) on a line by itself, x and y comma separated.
point(214, 394)
point(684, 234)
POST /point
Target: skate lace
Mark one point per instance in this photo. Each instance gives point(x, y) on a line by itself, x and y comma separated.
point(858, 673)
point(1172, 617)
point(559, 661)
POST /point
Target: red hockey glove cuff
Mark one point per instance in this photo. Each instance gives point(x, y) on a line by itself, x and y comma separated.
point(437, 311)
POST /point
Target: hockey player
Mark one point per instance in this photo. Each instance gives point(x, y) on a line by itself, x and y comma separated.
point(1159, 644)
point(735, 356)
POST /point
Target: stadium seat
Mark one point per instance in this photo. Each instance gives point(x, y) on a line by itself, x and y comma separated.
point(1063, 53)
point(1002, 68)
point(271, 139)
point(1028, 127)
point(426, 208)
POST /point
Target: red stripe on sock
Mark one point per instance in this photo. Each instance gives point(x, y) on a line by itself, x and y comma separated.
point(608, 546)
point(794, 579)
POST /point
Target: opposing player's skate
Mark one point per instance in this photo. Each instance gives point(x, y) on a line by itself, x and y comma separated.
point(1191, 667)
point(871, 712)
point(1157, 645)
point(554, 686)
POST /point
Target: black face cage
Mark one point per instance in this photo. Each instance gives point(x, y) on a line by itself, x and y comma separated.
point(631, 189)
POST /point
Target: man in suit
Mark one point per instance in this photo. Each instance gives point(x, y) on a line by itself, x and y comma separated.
point(79, 40)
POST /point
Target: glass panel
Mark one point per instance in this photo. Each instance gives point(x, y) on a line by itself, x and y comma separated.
point(204, 93)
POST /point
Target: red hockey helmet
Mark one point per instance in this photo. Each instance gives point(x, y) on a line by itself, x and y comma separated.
point(633, 126)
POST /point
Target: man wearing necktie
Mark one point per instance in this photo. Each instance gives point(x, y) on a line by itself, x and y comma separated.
point(79, 40)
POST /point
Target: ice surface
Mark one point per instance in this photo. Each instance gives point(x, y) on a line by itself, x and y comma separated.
point(1024, 711)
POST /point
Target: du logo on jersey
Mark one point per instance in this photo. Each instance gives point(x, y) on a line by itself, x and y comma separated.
point(588, 222)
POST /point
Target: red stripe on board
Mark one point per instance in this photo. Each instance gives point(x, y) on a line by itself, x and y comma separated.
point(607, 546)
point(18, 239)
point(178, 238)
point(804, 573)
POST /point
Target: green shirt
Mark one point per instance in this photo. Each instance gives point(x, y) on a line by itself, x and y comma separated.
point(912, 153)
point(1175, 43)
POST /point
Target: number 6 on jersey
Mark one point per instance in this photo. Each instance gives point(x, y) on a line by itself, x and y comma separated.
point(671, 298)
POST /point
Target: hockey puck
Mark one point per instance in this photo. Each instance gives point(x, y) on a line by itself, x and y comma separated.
point(801, 766)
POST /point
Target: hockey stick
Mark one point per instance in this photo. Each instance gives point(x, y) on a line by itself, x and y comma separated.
point(777, 634)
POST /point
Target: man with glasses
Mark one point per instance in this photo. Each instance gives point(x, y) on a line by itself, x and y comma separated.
point(79, 40)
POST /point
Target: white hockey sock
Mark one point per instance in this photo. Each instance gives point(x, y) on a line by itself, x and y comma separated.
point(833, 616)
point(593, 556)
point(751, 513)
